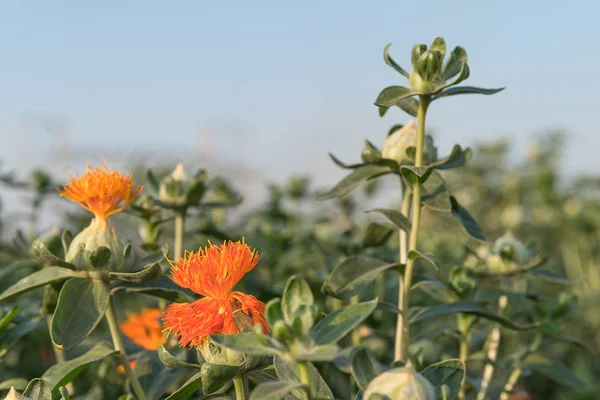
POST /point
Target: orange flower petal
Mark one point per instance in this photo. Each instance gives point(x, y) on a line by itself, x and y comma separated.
point(121, 368)
point(103, 191)
point(144, 329)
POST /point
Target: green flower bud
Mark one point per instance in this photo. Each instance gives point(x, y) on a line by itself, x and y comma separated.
point(100, 233)
point(173, 187)
point(215, 354)
point(14, 395)
point(507, 254)
point(401, 384)
point(429, 65)
point(396, 145)
point(370, 153)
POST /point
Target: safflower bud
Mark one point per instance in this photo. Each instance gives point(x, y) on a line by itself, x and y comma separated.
point(14, 395)
point(401, 384)
point(173, 187)
point(396, 145)
point(508, 253)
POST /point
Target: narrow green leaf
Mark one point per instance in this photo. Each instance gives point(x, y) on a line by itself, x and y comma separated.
point(195, 193)
point(251, 343)
point(81, 305)
point(188, 388)
point(390, 61)
point(154, 182)
point(339, 323)
point(362, 367)
point(149, 260)
point(430, 258)
point(466, 307)
point(37, 279)
point(296, 293)
point(170, 361)
point(63, 373)
point(415, 174)
point(457, 58)
point(435, 288)
point(466, 90)
point(457, 158)
point(468, 222)
point(343, 164)
point(38, 389)
point(274, 390)
point(450, 373)
point(434, 193)
point(356, 178)
point(554, 370)
point(214, 376)
point(288, 371)
point(395, 217)
point(391, 95)
point(64, 393)
point(151, 273)
point(66, 239)
point(6, 319)
point(39, 250)
point(163, 288)
point(409, 105)
point(353, 275)
point(12, 334)
point(376, 235)
point(553, 277)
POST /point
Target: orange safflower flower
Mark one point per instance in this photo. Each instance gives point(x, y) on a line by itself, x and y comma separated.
point(213, 272)
point(103, 191)
point(144, 329)
point(121, 368)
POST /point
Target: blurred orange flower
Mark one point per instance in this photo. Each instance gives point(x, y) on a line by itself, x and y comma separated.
point(103, 191)
point(121, 368)
point(213, 272)
point(144, 329)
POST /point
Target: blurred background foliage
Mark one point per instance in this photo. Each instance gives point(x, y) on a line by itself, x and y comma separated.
point(532, 198)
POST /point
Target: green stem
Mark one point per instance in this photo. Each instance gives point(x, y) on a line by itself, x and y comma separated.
point(510, 384)
point(355, 335)
point(178, 245)
point(60, 356)
point(463, 353)
point(403, 341)
point(402, 256)
point(111, 318)
point(240, 383)
point(304, 377)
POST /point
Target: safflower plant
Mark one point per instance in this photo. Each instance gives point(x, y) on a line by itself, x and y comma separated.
point(321, 337)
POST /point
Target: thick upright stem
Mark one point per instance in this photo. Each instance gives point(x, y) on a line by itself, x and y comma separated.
point(355, 335)
point(178, 245)
point(510, 384)
point(305, 378)
point(494, 342)
point(463, 354)
point(402, 257)
point(240, 384)
point(403, 341)
point(111, 318)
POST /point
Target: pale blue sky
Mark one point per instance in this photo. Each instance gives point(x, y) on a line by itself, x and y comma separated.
point(297, 79)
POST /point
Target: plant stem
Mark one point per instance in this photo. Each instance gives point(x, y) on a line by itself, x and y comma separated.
point(178, 245)
point(402, 256)
point(403, 341)
point(510, 384)
point(240, 384)
point(494, 342)
point(111, 318)
point(304, 377)
point(355, 335)
point(463, 354)
point(60, 356)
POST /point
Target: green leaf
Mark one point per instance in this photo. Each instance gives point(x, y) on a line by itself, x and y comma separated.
point(409, 105)
point(38, 389)
point(274, 312)
point(554, 370)
point(344, 165)
point(439, 45)
point(434, 194)
point(356, 178)
point(250, 342)
point(457, 158)
point(466, 90)
point(6, 319)
point(391, 95)
point(468, 222)
point(37, 279)
point(354, 274)
point(12, 334)
point(437, 289)
point(288, 371)
point(39, 250)
point(395, 217)
point(163, 288)
point(362, 367)
point(195, 193)
point(214, 376)
point(318, 353)
point(430, 258)
point(376, 235)
point(339, 323)
point(81, 305)
point(170, 361)
point(62, 373)
point(64, 393)
point(188, 388)
point(415, 174)
point(18, 383)
point(552, 277)
point(151, 273)
point(274, 390)
point(457, 58)
point(296, 293)
point(66, 239)
point(390, 61)
point(150, 259)
point(466, 307)
point(154, 182)
point(450, 373)
point(416, 52)
point(100, 257)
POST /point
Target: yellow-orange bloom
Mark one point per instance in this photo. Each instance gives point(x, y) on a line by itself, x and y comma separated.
point(121, 368)
point(144, 329)
point(213, 272)
point(102, 191)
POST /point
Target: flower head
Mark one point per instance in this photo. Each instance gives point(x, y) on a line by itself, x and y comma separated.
point(103, 191)
point(213, 272)
point(144, 329)
point(121, 368)
point(14, 395)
